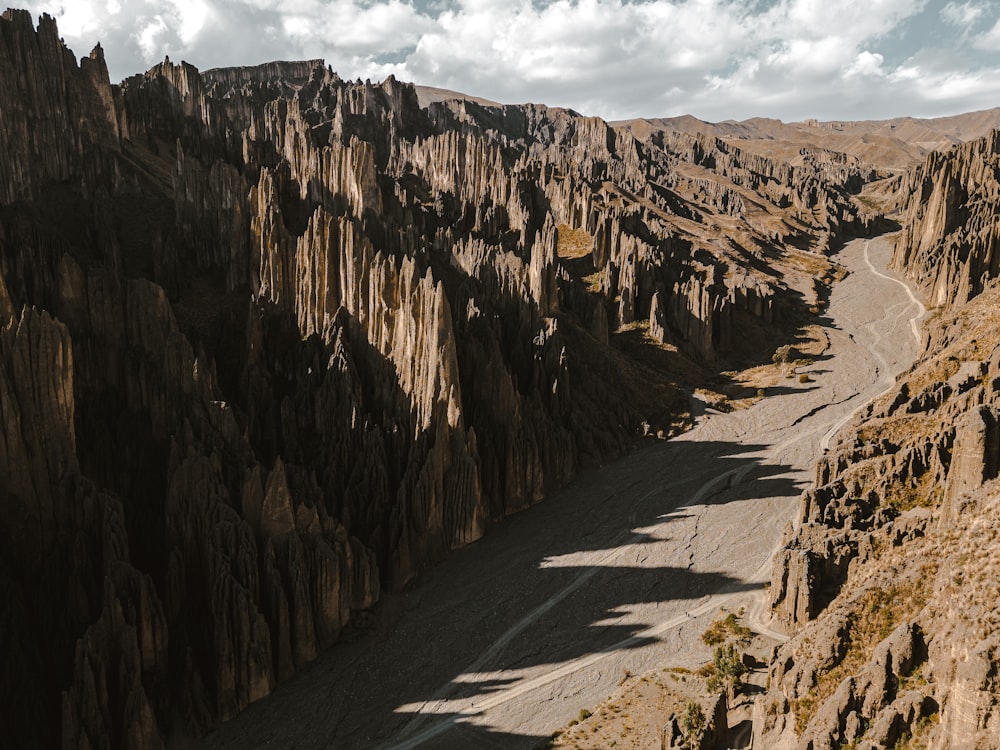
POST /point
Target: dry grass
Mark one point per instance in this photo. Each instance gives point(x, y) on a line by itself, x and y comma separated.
point(573, 243)
point(924, 493)
point(634, 716)
point(745, 386)
point(873, 617)
point(870, 203)
point(938, 370)
point(593, 282)
point(813, 264)
point(919, 739)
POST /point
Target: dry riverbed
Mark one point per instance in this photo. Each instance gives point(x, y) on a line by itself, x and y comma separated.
point(617, 575)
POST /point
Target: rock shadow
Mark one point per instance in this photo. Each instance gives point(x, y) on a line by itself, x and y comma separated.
point(556, 583)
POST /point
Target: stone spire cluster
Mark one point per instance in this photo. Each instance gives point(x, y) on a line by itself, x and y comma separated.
point(272, 342)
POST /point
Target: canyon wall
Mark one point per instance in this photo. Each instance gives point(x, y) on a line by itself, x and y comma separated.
point(272, 342)
point(948, 244)
point(889, 582)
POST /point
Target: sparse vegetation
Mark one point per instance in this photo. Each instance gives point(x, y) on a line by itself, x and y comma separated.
point(725, 628)
point(573, 243)
point(870, 203)
point(923, 492)
point(633, 716)
point(804, 378)
point(729, 669)
point(783, 355)
point(692, 723)
point(593, 282)
point(872, 619)
point(918, 740)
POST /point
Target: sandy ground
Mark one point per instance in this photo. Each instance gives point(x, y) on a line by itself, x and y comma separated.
point(509, 638)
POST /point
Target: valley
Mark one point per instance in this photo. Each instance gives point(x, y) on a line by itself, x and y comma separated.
point(619, 573)
point(354, 414)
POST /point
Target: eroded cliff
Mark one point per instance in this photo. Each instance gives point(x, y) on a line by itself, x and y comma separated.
point(889, 581)
point(271, 342)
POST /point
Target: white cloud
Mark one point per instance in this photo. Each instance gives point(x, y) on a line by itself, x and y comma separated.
point(191, 16)
point(150, 38)
point(76, 17)
point(962, 15)
point(906, 73)
point(989, 41)
point(616, 58)
point(866, 64)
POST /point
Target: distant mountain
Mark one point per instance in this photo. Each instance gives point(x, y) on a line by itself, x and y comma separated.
point(895, 144)
point(427, 95)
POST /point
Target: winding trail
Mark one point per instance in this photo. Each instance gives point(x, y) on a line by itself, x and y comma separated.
point(620, 573)
point(914, 320)
point(888, 377)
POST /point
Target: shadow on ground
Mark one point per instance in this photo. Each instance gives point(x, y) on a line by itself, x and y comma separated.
point(548, 586)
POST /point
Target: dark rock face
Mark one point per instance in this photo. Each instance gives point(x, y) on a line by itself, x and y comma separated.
point(271, 342)
point(58, 118)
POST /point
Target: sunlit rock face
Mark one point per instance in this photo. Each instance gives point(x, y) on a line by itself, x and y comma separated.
point(949, 238)
point(889, 582)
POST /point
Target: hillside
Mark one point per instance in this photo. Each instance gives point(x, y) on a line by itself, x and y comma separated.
point(893, 145)
point(890, 580)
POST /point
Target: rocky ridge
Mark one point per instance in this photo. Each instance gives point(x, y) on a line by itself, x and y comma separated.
point(891, 146)
point(948, 244)
point(889, 581)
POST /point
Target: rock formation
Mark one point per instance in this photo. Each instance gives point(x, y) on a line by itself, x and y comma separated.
point(949, 239)
point(272, 342)
point(889, 583)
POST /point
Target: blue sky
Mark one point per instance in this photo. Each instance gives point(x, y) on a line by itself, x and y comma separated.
point(715, 59)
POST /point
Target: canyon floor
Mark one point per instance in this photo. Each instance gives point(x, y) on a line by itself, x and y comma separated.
point(620, 573)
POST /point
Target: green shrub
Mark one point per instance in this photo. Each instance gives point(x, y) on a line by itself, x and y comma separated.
point(728, 663)
point(692, 723)
point(725, 628)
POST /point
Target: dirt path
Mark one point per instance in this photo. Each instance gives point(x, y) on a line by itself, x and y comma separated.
point(508, 639)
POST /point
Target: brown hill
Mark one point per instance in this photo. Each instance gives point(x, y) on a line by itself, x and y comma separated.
point(895, 144)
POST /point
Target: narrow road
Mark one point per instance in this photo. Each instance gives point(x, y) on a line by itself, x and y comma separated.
point(621, 572)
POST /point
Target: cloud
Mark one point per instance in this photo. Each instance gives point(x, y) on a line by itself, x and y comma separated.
point(77, 19)
point(989, 41)
point(962, 15)
point(866, 64)
point(615, 58)
point(150, 37)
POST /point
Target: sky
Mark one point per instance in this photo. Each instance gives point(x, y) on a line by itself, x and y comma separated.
point(714, 59)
